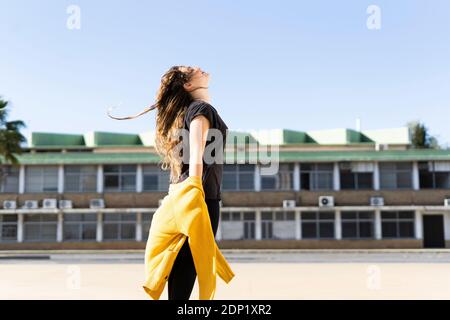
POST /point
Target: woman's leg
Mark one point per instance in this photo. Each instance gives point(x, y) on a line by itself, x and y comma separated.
point(183, 274)
point(214, 213)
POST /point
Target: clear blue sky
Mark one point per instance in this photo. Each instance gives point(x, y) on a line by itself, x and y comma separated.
point(304, 65)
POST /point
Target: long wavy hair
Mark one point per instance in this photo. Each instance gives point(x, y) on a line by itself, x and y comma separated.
point(172, 101)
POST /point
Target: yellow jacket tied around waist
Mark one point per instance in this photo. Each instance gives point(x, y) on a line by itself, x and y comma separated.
point(183, 213)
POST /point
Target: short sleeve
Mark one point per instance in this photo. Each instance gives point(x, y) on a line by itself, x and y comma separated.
point(202, 108)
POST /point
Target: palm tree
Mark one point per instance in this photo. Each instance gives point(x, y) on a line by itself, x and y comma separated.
point(10, 140)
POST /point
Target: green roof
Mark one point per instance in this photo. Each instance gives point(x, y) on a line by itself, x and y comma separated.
point(90, 140)
point(338, 136)
point(97, 139)
point(288, 137)
point(281, 137)
point(238, 157)
point(56, 139)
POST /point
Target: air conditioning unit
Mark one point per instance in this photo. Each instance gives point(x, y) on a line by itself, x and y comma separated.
point(96, 203)
point(326, 201)
point(447, 202)
point(9, 204)
point(65, 204)
point(49, 203)
point(289, 203)
point(30, 204)
point(376, 201)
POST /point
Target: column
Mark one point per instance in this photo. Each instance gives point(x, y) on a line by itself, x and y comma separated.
point(446, 225)
point(22, 179)
point(258, 224)
point(139, 226)
point(378, 234)
point(257, 178)
point(297, 176)
point(20, 231)
point(99, 227)
point(415, 176)
point(376, 176)
point(298, 229)
point(418, 233)
point(60, 178)
point(139, 178)
point(59, 227)
point(336, 177)
point(100, 179)
point(337, 225)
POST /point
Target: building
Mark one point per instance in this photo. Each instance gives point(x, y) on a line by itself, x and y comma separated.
point(333, 189)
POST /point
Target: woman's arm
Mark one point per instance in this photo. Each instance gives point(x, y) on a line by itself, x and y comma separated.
point(197, 141)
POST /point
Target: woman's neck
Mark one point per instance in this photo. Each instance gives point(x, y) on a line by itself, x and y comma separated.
point(202, 95)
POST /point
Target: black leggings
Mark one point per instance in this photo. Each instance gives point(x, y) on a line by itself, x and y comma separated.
point(183, 274)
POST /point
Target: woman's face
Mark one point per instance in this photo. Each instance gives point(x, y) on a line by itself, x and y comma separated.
point(199, 78)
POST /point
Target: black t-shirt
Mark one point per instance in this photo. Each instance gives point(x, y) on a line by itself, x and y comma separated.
point(212, 172)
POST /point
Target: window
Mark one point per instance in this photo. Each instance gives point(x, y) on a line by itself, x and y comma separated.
point(146, 223)
point(155, 179)
point(397, 224)
point(356, 176)
point(119, 226)
point(80, 178)
point(282, 180)
point(249, 225)
point(239, 177)
point(266, 225)
point(316, 176)
point(434, 175)
point(119, 178)
point(285, 216)
point(237, 225)
point(40, 227)
point(278, 224)
point(80, 226)
point(41, 179)
point(8, 227)
point(395, 175)
point(9, 179)
point(317, 225)
point(357, 224)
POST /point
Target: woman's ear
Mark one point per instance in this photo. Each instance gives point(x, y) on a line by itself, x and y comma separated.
point(187, 85)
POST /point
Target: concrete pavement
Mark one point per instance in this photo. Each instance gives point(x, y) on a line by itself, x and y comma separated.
point(279, 274)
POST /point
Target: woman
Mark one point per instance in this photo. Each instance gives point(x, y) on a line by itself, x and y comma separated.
point(183, 103)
